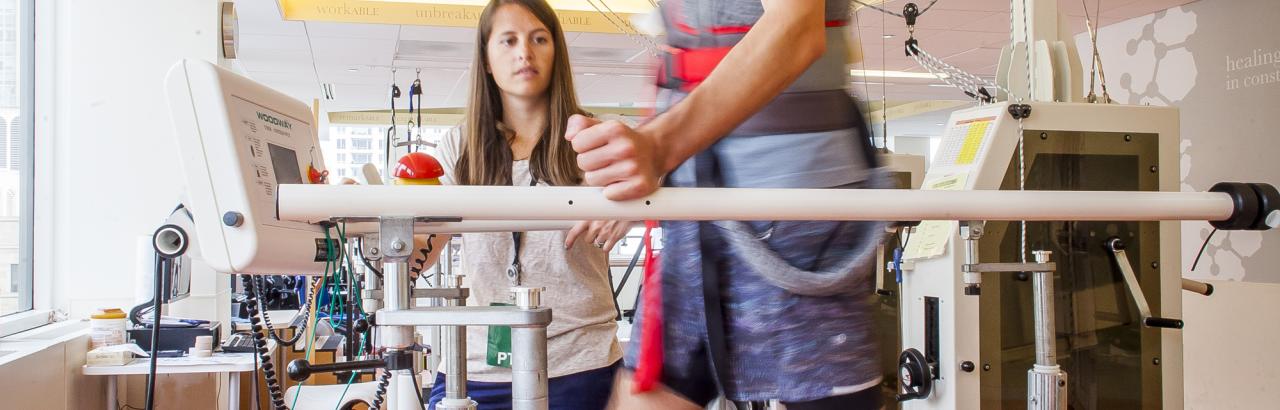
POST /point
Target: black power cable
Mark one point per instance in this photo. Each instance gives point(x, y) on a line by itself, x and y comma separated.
point(266, 318)
point(1202, 246)
point(260, 343)
point(418, 389)
point(381, 393)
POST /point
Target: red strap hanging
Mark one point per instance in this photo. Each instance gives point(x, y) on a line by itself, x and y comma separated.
point(649, 366)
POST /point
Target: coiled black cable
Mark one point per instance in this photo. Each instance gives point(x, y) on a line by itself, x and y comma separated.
point(266, 319)
point(260, 343)
point(381, 394)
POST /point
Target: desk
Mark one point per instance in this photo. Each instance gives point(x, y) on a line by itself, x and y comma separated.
point(232, 363)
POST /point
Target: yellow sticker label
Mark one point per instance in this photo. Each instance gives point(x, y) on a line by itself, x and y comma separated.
point(972, 142)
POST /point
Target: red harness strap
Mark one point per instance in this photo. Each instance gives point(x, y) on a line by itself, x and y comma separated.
point(649, 366)
point(685, 68)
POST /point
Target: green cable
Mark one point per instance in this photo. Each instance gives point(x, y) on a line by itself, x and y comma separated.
point(354, 285)
point(327, 264)
point(349, 380)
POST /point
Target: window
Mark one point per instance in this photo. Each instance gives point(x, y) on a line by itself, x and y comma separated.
point(16, 153)
point(341, 143)
point(361, 143)
point(361, 159)
point(342, 157)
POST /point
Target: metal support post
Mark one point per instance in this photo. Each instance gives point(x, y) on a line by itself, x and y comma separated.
point(455, 357)
point(396, 236)
point(529, 356)
point(1046, 382)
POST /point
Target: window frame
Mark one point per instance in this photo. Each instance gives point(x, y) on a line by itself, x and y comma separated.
point(40, 296)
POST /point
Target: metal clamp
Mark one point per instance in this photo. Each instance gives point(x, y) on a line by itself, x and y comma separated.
point(971, 232)
point(527, 297)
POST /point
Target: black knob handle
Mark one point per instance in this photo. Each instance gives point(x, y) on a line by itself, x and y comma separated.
point(1115, 244)
point(300, 369)
point(1163, 322)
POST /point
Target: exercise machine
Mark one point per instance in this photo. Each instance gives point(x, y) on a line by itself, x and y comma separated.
point(246, 148)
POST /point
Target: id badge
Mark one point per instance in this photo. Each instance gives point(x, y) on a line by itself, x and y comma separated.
point(499, 351)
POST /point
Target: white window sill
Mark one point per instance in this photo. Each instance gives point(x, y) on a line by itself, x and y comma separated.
point(21, 322)
point(17, 346)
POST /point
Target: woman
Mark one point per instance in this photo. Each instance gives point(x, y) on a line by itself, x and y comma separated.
point(754, 96)
point(521, 99)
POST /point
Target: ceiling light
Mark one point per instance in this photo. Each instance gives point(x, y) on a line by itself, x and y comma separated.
point(940, 85)
point(589, 74)
point(940, 124)
point(352, 70)
point(892, 74)
point(888, 36)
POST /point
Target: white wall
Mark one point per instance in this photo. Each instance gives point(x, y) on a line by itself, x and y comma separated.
point(106, 174)
point(115, 173)
point(1229, 347)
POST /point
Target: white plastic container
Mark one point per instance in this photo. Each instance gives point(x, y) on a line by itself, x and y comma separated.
point(107, 328)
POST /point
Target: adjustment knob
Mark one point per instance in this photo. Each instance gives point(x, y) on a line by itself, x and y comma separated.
point(299, 370)
point(232, 219)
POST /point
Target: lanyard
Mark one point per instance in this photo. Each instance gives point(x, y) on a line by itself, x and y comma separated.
point(513, 271)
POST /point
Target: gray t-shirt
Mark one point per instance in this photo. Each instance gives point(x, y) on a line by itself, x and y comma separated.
point(582, 335)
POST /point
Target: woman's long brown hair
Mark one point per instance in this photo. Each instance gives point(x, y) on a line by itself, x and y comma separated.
point(486, 149)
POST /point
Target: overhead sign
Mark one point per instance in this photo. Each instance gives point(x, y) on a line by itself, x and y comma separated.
point(575, 16)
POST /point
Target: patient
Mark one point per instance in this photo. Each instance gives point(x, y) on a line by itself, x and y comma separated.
point(521, 99)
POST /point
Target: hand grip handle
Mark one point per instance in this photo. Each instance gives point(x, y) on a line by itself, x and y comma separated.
point(1163, 322)
point(300, 370)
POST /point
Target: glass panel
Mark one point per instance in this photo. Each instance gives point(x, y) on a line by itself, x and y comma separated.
point(15, 159)
point(1107, 355)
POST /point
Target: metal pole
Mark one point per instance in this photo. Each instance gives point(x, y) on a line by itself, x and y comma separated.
point(311, 203)
point(455, 358)
point(1042, 292)
point(529, 357)
point(396, 244)
point(1046, 382)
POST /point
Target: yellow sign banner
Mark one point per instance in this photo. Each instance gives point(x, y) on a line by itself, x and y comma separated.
point(436, 14)
point(448, 117)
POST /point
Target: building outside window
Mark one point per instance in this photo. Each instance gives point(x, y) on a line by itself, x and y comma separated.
point(16, 154)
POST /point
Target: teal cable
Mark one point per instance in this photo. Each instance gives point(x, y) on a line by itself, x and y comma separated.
point(349, 380)
point(327, 263)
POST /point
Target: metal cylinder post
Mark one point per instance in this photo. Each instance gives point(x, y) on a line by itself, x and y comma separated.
point(1042, 296)
point(1046, 382)
point(529, 356)
point(396, 297)
point(529, 368)
point(455, 357)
